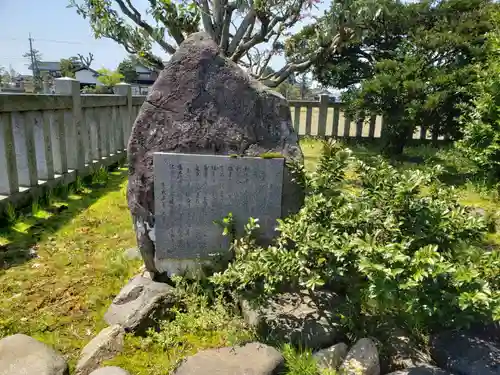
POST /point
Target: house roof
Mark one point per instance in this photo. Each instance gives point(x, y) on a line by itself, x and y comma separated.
point(48, 66)
point(87, 68)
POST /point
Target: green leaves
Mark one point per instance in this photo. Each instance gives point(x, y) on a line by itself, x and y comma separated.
point(393, 249)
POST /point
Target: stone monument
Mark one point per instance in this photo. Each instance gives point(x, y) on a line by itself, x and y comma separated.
point(203, 103)
point(194, 191)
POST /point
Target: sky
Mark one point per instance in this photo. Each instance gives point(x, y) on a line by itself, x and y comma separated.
point(59, 32)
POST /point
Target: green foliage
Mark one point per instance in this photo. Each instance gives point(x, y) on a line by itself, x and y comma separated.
point(481, 120)
point(271, 155)
point(418, 69)
point(398, 245)
point(300, 362)
point(109, 78)
point(69, 65)
point(127, 69)
point(201, 319)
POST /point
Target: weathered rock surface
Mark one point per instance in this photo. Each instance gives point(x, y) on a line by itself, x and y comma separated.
point(468, 352)
point(107, 344)
point(140, 301)
point(421, 370)
point(362, 359)
point(204, 103)
point(23, 355)
point(305, 319)
point(110, 370)
point(332, 357)
point(254, 358)
point(403, 352)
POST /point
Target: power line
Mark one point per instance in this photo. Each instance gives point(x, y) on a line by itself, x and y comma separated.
point(49, 41)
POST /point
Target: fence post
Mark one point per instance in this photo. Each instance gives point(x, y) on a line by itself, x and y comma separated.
point(127, 119)
point(74, 129)
point(323, 113)
point(9, 182)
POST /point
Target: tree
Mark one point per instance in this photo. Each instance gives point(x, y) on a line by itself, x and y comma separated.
point(69, 65)
point(86, 61)
point(413, 65)
point(261, 23)
point(4, 76)
point(127, 69)
point(35, 57)
point(109, 78)
point(481, 119)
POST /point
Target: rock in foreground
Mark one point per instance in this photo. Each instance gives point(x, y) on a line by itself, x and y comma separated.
point(306, 319)
point(332, 357)
point(138, 303)
point(107, 344)
point(254, 358)
point(468, 352)
point(204, 103)
point(362, 359)
point(421, 370)
point(23, 355)
point(110, 370)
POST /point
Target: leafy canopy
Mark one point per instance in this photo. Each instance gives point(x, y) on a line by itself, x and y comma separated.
point(413, 64)
point(247, 32)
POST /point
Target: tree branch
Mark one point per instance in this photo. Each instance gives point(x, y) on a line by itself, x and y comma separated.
point(206, 19)
point(302, 66)
point(226, 28)
point(248, 21)
point(135, 16)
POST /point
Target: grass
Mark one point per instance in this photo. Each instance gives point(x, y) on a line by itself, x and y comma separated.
point(60, 296)
point(80, 236)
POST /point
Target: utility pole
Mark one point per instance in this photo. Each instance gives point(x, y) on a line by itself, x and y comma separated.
point(34, 66)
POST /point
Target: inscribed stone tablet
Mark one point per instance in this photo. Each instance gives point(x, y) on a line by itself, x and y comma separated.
point(191, 191)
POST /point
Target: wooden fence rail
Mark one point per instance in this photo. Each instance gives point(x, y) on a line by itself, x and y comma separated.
point(46, 140)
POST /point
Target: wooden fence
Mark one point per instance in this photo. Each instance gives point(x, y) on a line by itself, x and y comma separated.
point(50, 139)
point(46, 140)
point(325, 119)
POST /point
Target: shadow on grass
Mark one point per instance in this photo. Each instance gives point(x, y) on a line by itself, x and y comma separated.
point(27, 230)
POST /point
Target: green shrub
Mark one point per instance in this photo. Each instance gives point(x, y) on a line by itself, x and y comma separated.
point(397, 244)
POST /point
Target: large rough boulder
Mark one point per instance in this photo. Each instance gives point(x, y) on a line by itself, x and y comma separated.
point(203, 103)
point(468, 352)
point(22, 355)
point(253, 358)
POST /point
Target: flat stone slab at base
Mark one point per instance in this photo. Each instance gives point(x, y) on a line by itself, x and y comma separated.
point(306, 319)
point(138, 303)
point(254, 358)
point(23, 355)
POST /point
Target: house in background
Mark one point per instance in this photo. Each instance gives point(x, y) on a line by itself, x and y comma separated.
point(145, 79)
point(87, 77)
point(51, 68)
